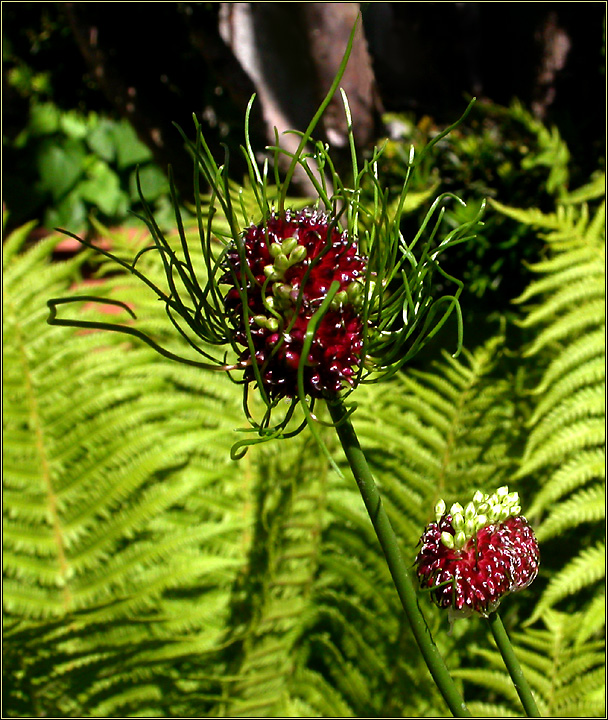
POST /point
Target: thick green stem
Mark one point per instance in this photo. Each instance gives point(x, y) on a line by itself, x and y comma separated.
point(513, 666)
point(397, 566)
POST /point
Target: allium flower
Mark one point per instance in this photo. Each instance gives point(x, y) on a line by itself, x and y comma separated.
point(302, 305)
point(471, 557)
point(291, 262)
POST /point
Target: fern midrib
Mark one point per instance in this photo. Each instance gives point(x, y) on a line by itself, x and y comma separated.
point(272, 608)
point(36, 420)
point(557, 645)
point(451, 436)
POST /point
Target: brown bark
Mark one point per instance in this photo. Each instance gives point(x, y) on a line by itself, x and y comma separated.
point(328, 27)
point(292, 52)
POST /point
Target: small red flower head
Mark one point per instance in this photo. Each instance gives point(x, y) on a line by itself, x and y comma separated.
point(285, 268)
point(470, 558)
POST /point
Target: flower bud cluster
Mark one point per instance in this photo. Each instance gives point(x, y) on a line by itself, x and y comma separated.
point(474, 555)
point(483, 510)
point(291, 262)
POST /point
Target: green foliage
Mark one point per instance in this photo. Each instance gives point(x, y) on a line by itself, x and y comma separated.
point(566, 672)
point(564, 457)
point(425, 434)
point(66, 165)
point(499, 153)
point(565, 448)
point(115, 481)
point(65, 155)
point(147, 574)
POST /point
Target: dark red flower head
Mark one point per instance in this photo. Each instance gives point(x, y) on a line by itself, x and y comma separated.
point(292, 261)
point(470, 558)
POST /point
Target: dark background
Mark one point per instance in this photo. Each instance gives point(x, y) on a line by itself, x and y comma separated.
point(158, 63)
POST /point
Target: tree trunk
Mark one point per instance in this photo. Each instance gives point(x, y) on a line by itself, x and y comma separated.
point(291, 52)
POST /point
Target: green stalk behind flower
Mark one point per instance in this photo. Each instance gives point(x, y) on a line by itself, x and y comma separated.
point(396, 564)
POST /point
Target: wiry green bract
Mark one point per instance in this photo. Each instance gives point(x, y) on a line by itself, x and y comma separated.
point(401, 305)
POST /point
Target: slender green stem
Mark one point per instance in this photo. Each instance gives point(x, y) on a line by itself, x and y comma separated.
point(513, 666)
point(397, 566)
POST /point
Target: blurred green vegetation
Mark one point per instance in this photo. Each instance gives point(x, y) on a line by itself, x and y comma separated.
point(500, 153)
point(71, 165)
point(66, 154)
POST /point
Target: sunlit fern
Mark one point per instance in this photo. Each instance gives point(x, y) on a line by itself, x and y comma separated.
point(192, 585)
point(564, 456)
point(565, 670)
point(329, 637)
point(147, 574)
point(565, 448)
point(122, 532)
point(426, 434)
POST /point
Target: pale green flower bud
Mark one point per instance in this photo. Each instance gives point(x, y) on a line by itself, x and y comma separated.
point(456, 509)
point(297, 255)
point(355, 293)
point(281, 263)
point(458, 521)
point(478, 497)
point(289, 244)
point(481, 521)
point(439, 509)
point(447, 539)
point(281, 290)
point(512, 498)
point(340, 298)
point(460, 540)
point(495, 513)
point(271, 273)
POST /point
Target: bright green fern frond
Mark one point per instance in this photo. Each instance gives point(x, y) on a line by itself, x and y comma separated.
point(585, 506)
point(589, 402)
point(586, 569)
point(580, 469)
point(585, 357)
point(593, 619)
point(272, 600)
point(573, 437)
point(493, 681)
point(565, 447)
point(123, 527)
point(436, 433)
point(552, 150)
point(582, 318)
point(566, 675)
point(321, 698)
